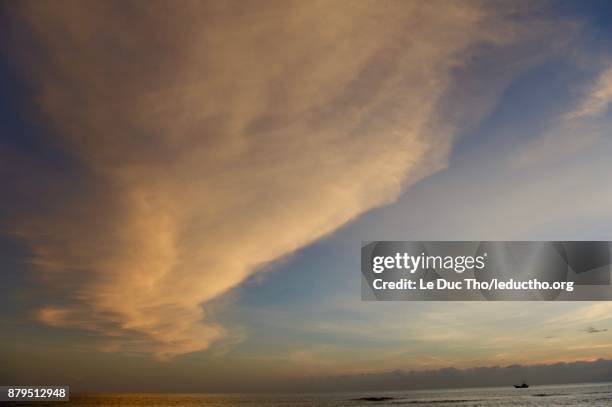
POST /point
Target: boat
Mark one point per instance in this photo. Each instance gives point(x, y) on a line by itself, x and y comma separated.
point(521, 386)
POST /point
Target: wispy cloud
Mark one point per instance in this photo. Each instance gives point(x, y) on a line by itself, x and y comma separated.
point(592, 330)
point(595, 312)
point(575, 130)
point(597, 99)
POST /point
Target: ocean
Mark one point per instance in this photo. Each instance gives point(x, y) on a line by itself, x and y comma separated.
point(594, 394)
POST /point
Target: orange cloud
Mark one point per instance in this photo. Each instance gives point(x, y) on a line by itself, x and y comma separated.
point(220, 136)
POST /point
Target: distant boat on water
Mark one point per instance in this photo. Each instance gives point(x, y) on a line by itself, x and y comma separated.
point(521, 386)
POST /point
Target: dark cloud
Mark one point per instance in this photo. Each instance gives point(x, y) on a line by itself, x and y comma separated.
point(592, 330)
point(574, 372)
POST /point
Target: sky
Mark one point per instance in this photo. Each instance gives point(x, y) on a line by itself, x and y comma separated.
point(186, 186)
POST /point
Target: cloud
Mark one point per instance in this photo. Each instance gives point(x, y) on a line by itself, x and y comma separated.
point(576, 130)
point(214, 138)
point(597, 99)
point(571, 372)
point(591, 330)
point(594, 312)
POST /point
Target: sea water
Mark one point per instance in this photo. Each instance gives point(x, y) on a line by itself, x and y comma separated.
point(594, 394)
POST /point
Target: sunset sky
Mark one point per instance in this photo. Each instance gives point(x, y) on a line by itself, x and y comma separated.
point(186, 185)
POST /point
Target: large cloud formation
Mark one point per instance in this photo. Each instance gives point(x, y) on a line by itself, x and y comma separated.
point(219, 136)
